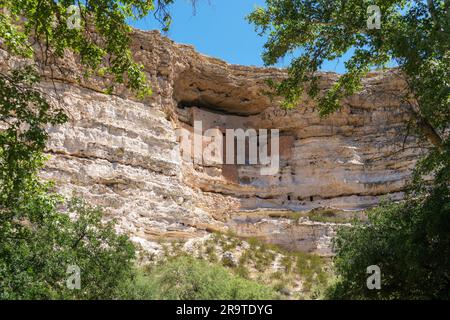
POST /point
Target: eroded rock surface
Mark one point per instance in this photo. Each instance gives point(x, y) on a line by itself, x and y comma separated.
point(124, 154)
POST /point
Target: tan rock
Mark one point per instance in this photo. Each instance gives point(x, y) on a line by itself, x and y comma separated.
point(123, 154)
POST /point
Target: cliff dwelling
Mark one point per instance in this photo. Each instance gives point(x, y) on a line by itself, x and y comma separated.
point(124, 154)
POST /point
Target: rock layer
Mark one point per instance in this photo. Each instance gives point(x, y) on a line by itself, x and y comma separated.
point(124, 155)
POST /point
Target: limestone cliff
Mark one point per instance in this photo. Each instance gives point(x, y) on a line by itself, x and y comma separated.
point(123, 154)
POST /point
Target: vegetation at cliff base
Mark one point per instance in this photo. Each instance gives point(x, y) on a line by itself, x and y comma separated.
point(286, 274)
point(410, 243)
point(188, 278)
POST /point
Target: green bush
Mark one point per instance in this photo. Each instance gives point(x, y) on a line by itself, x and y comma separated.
point(187, 278)
point(410, 243)
point(139, 287)
point(36, 251)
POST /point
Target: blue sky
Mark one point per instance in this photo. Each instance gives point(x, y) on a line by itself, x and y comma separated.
point(219, 29)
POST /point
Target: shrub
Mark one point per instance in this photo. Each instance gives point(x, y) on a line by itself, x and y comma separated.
point(410, 243)
point(139, 287)
point(187, 278)
point(35, 252)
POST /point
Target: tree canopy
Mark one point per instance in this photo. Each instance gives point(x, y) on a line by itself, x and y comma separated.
point(413, 34)
point(96, 30)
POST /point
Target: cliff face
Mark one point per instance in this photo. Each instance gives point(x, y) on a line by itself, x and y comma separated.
point(124, 155)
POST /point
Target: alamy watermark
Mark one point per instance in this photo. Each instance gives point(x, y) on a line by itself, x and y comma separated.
point(234, 146)
point(374, 17)
point(374, 280)
point(74, 17)
point(74, 280)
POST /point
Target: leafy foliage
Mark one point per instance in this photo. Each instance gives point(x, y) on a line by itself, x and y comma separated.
point(410, 242)
point(187, 278)
point(24, 113)
point(35, 253)
point(101, 42)
point(413, 33)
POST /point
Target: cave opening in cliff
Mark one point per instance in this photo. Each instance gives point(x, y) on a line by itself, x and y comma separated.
point(213, 107)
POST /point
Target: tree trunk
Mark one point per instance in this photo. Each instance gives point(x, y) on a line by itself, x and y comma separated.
point(428, 130)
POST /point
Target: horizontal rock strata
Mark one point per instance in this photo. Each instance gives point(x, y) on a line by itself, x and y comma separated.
point(124, 154)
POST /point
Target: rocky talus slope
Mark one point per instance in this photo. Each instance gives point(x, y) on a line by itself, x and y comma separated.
point(123, 154)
